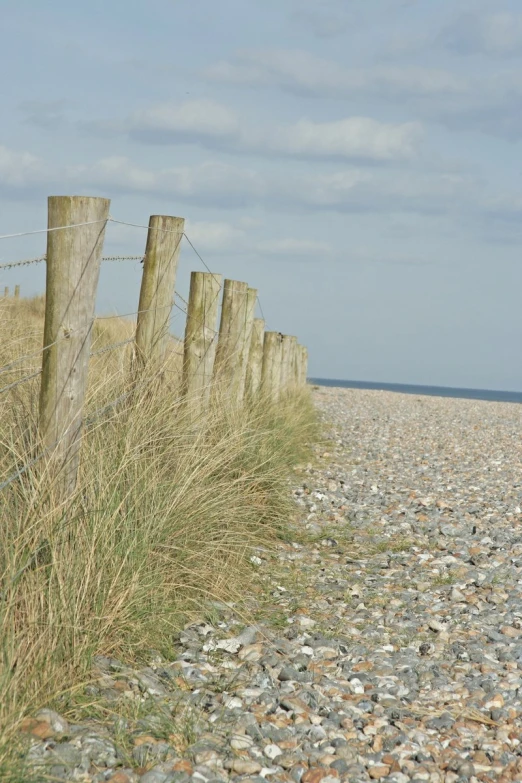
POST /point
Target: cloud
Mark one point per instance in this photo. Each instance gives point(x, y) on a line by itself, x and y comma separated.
point(349, 190)
point(194, 120)
point(304, 73)
point(220, 237)
point(216, 237)
point(497, 34)
point(490, 103)
point(214, 126)
point(20, 170)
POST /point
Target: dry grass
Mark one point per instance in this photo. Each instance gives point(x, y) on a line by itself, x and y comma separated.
point(165, 516)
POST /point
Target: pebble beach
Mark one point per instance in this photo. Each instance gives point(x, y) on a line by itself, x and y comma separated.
point(386, 643)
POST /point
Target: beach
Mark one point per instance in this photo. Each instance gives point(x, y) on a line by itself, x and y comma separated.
point(387, 641)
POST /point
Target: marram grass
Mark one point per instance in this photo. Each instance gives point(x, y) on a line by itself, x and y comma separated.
point(165, 516)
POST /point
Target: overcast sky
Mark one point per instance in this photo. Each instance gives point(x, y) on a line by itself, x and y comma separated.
point(358, 161)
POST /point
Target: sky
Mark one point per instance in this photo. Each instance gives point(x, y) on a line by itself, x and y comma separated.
point(356, 161)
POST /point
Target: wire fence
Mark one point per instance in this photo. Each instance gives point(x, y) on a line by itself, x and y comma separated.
point(39, 259)
point(184, 308)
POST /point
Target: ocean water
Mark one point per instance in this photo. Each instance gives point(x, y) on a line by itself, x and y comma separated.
point(432, 391)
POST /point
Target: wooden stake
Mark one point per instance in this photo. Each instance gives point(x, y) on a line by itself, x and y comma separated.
point(249, 325)
point(288, 353)
point(271, 370)
point(231, 347)
point(157, 289)
point(6, 292)
point(255, 359)
point(73, 265)
point(303, 362)
point(200, 338)
point(17, 292)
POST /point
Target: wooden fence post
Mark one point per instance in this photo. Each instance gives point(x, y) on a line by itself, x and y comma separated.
point(200, 338)
point(232, 343)
point(271, 370)
point(297, 365)
point(6, 292)
point(73, 266)
point(255, 359)
point(17, 292)
point(288, 352)
point(303, 365)
point(157, 288)
point(249, 325)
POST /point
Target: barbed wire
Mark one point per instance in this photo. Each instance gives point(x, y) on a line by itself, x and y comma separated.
point(19, 473)
point(123, 258)
point(17, 383)
point(25, 262)
point(111, 347)
point(87, 421)
point(9, 366)
point(39, 259)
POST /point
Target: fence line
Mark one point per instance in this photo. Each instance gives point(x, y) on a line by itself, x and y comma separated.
point(7, 367)
point(26, 262)
point(39, 259)
point(54, 228)
point(111, 347)
point(19, 382)
point(239, 352)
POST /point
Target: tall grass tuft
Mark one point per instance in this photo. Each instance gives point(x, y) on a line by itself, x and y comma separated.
point(165, 516)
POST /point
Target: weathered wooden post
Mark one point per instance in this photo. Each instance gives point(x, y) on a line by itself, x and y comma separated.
point(232, 342)
point(6, 292)
point(17, 292)
point(73, 266)
point(303, 364)
point(271, 370)
point(157, 289)
point(288, 352)
point(255, 359)
point(200, 339)
point(297, 365)
point(249, 325)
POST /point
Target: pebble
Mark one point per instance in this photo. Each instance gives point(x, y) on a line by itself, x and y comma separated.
point(389, 643)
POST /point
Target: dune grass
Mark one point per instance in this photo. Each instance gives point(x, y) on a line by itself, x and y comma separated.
point(165, 516)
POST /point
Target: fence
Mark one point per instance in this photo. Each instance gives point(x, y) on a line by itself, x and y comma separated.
point(239, 355)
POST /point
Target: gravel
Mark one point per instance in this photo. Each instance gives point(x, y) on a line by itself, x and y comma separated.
point(386, 644)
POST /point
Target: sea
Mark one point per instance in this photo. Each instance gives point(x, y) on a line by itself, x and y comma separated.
point(431, 391)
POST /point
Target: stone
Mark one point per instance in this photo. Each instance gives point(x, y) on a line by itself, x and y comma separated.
point(378, 771)
point(316, 775)
point(58, 724)
point(244, 766)
point(272, 751)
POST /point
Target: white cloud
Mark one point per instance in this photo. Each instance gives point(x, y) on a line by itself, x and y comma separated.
point(217, 237)
point(212, 125)
point(200, 118)
point(487, 102)
point(356, 137)
point(20, 169)
point(349, 190)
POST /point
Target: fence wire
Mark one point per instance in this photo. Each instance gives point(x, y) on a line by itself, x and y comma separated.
point(112, 347)
point(91, 419)
point(19, 382)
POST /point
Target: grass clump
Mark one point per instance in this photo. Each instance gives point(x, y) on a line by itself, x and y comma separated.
point(166, 514)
